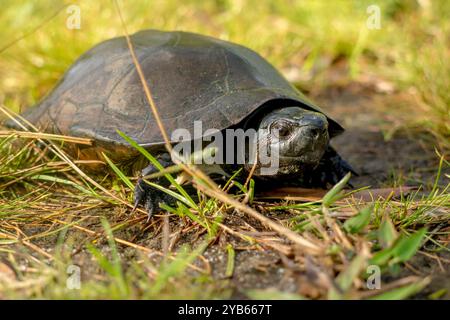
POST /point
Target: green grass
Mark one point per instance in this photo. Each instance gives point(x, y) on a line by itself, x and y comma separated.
point(51, 217)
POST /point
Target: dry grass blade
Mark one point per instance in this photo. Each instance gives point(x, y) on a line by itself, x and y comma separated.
point(289, 234)
point(46, 136)
point(165, 235)
point(144, 83)
point(252, 171)
point(304, 194)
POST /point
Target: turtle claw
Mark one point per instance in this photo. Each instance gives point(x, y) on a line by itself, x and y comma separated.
point(331, 170)
point(149, 196)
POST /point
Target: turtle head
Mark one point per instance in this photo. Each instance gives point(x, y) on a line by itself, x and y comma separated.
point(299, 137)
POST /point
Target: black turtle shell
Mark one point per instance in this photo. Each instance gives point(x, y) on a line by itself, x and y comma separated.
point(191, 77)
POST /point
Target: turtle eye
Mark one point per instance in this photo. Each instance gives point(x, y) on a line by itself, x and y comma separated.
point(282, 127)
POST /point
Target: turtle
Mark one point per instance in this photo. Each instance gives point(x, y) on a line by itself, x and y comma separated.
point(194, 79)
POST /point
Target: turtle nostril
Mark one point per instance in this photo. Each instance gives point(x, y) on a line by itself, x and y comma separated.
point(315, 132)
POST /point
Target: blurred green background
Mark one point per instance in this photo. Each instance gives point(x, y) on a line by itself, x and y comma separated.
point(305, 39)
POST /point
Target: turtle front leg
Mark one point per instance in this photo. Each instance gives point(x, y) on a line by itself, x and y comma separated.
point(149, 196)
point(331, 169)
